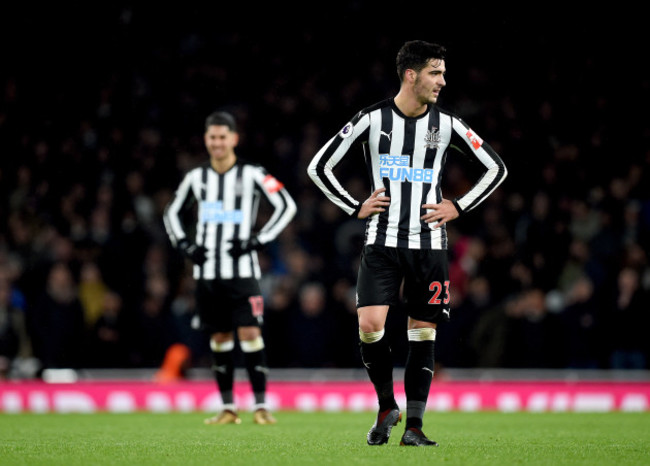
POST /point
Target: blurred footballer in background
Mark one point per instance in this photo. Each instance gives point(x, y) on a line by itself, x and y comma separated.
point(224, 248)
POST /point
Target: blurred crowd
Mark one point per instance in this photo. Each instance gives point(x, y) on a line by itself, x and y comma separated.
point(552, 271)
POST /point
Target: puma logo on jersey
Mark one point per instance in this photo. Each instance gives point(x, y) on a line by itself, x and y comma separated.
point(388, 135)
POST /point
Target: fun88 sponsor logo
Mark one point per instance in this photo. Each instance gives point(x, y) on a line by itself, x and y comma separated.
point(212, 212)
point(396, 168)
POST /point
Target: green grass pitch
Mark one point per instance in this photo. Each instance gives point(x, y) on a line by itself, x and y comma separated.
point(323, 438)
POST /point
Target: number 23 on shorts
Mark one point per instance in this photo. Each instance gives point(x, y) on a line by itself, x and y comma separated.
point(436, 288)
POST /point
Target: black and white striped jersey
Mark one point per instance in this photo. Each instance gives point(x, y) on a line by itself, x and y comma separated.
point(227, 209)
point(406, 156)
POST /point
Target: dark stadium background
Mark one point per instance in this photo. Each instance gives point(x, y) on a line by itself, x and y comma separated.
point(101, 112)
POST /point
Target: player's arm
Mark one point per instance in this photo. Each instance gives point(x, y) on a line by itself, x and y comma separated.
point(321, 168)
point(284, 208)
point(470, 144)
point(183, 200)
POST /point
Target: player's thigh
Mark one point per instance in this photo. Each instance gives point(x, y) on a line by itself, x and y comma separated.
point(247, 302)
point(372, 318)
point(214, 306)
point(426, 285)
point(379, 278)
point(224, 305)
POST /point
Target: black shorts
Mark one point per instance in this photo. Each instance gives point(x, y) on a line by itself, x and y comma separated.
point(224, 305)
point(425, 274)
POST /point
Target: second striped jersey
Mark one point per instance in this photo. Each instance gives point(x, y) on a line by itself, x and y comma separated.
point(406, 156)
point(227, 209)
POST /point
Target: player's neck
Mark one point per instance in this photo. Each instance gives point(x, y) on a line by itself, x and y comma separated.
point(408, 105)
point(223, 165)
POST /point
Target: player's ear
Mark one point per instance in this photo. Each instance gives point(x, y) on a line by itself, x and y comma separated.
point(411, 75)
point(235, 139)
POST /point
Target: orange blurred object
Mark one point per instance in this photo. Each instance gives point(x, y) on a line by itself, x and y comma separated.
point(174, 365)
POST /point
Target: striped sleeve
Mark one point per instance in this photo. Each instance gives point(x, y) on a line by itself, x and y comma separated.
point(321, 168)
point(495, 170)
point(284, 207)
point(183, 199)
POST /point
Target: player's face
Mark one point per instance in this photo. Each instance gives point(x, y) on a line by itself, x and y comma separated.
point(430, 81)
point(220, 142)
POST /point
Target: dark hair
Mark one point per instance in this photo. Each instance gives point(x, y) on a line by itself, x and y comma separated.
point(416, 54)
point(221, 118)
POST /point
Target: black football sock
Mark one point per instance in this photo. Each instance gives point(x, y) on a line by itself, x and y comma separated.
point(418, 375)
point(257, 374)
point(224, 370)
point(377, 358)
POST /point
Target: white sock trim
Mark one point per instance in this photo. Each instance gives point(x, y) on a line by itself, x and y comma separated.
point(229, 407)
point(371, 337)
point(250, 346)
point(422, 334)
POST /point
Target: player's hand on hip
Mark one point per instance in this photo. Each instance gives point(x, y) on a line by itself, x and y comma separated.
point(240, 247)
point(441, 213)
point(195, 253)
point(375, 204)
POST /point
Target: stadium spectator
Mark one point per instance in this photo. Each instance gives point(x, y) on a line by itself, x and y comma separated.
point(15, 342)
point(310, 327)
point(110, 341)
point(531, 333)
point(153, 321)
point(56, 321)
point(628, 317)
point(92, 291)
point(583, 325)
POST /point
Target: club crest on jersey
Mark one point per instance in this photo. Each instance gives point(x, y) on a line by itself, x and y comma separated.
point(347, 131)
point(432, 138)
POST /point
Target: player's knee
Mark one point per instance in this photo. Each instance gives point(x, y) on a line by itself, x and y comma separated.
point(371, 337)
point(221, 346)
point(370, 325)
point(372, 318)
point(248, 333)
point(250, 346)
point(422, 334)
